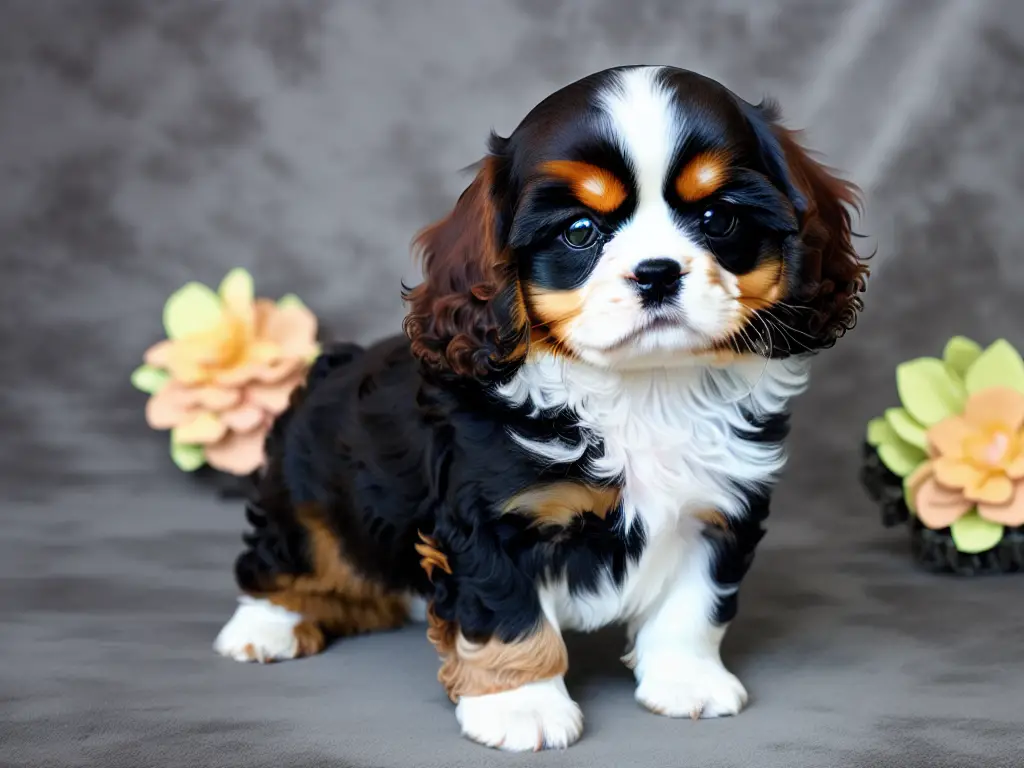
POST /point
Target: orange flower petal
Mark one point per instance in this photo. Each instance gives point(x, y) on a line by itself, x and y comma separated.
point(277, 371)
point(1011, 513)
point(159, 354)
point(244, 418)
point(239, 303)
point(237, 376)
point(947, 437)
point(265, 309)
point(938, 507)
point(237, 453)
point(1015, 469)
point(917, 478)
point(218, 398)
point(994, 489)
point(169, 407)
point(273, 397)
point(996, 405)
point(953, 473)
point(294, 329)
point(201, 429)
point(264, 352)
point(185, 362)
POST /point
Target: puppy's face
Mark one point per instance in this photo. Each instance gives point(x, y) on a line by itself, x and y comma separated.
point(640, 217)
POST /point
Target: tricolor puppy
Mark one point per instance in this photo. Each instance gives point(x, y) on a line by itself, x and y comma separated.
point(585, 420)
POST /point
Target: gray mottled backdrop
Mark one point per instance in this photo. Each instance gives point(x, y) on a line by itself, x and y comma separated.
point(144, 144)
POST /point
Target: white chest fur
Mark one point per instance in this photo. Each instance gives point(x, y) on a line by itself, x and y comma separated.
point(674, 438)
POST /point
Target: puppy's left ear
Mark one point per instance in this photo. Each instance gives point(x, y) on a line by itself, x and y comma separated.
point(832, 275)
point(465, 318)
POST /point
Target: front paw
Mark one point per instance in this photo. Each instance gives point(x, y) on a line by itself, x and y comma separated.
point(699, 688)
point(530, 718)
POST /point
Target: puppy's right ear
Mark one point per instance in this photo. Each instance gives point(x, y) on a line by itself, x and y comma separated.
point(832, 275)
point(466, 318)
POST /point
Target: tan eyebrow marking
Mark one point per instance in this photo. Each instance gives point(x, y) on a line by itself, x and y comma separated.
point(595, 187)
point(704, 174)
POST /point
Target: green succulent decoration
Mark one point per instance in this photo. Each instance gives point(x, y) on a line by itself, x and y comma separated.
point(951, 455)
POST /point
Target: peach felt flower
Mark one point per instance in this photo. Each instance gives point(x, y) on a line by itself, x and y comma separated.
point(227, 368)
point(977, 463)
point(958, 441)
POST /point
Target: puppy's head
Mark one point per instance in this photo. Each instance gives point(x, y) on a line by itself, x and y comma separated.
point(639, 217)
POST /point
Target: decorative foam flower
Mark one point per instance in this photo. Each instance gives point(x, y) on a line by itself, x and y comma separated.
point(227, 368)
point(958, 441)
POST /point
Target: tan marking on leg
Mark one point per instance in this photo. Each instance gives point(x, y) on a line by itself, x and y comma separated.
point(561, 503)
point(310, 637)
point(713, 517)
point(477, 669)
point(334, 599)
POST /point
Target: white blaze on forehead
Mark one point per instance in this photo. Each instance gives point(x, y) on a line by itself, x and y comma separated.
point(645, 124)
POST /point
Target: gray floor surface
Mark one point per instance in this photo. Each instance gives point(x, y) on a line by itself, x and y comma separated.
point(144, 144)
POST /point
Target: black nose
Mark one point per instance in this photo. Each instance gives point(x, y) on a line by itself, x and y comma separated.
point(657, 279)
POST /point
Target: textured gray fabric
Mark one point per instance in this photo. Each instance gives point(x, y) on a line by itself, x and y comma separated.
point(144, 144)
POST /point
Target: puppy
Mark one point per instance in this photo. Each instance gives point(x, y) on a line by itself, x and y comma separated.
point(584, 420)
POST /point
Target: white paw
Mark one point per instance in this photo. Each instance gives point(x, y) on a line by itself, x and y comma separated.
point(698, 688)
point(259, 631)
point(533, 717)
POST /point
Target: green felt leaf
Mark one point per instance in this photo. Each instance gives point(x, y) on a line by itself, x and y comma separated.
point(1000, 365)
point(973, 533)
point(960, 353)
point(193, 308)
point(901, 458)
point(238, 282)
point(904, 425)
point(291, 300)
point(928, 390)
point(188, 458)
point(880, 432)
point(149, 379)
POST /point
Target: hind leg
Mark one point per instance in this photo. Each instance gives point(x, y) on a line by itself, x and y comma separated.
point(299, 592)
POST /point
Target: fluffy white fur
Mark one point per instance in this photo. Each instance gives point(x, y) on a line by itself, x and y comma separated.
point(669, 434)
point(259, 631)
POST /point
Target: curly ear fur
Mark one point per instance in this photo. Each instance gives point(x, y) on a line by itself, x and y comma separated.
point(466, 317)
point(832, 274)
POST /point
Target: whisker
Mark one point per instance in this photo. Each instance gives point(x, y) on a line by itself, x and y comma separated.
point(781, 327)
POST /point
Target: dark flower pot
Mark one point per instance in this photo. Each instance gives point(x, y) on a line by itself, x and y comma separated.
point(934, 550)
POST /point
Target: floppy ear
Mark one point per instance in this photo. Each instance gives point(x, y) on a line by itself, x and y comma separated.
point(832, 275)
point(466, 317)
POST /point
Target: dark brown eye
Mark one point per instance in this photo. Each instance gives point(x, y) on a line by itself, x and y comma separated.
point(581, 234)
point(718, 223)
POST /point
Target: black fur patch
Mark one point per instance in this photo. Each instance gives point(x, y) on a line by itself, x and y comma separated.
point(735, 544)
